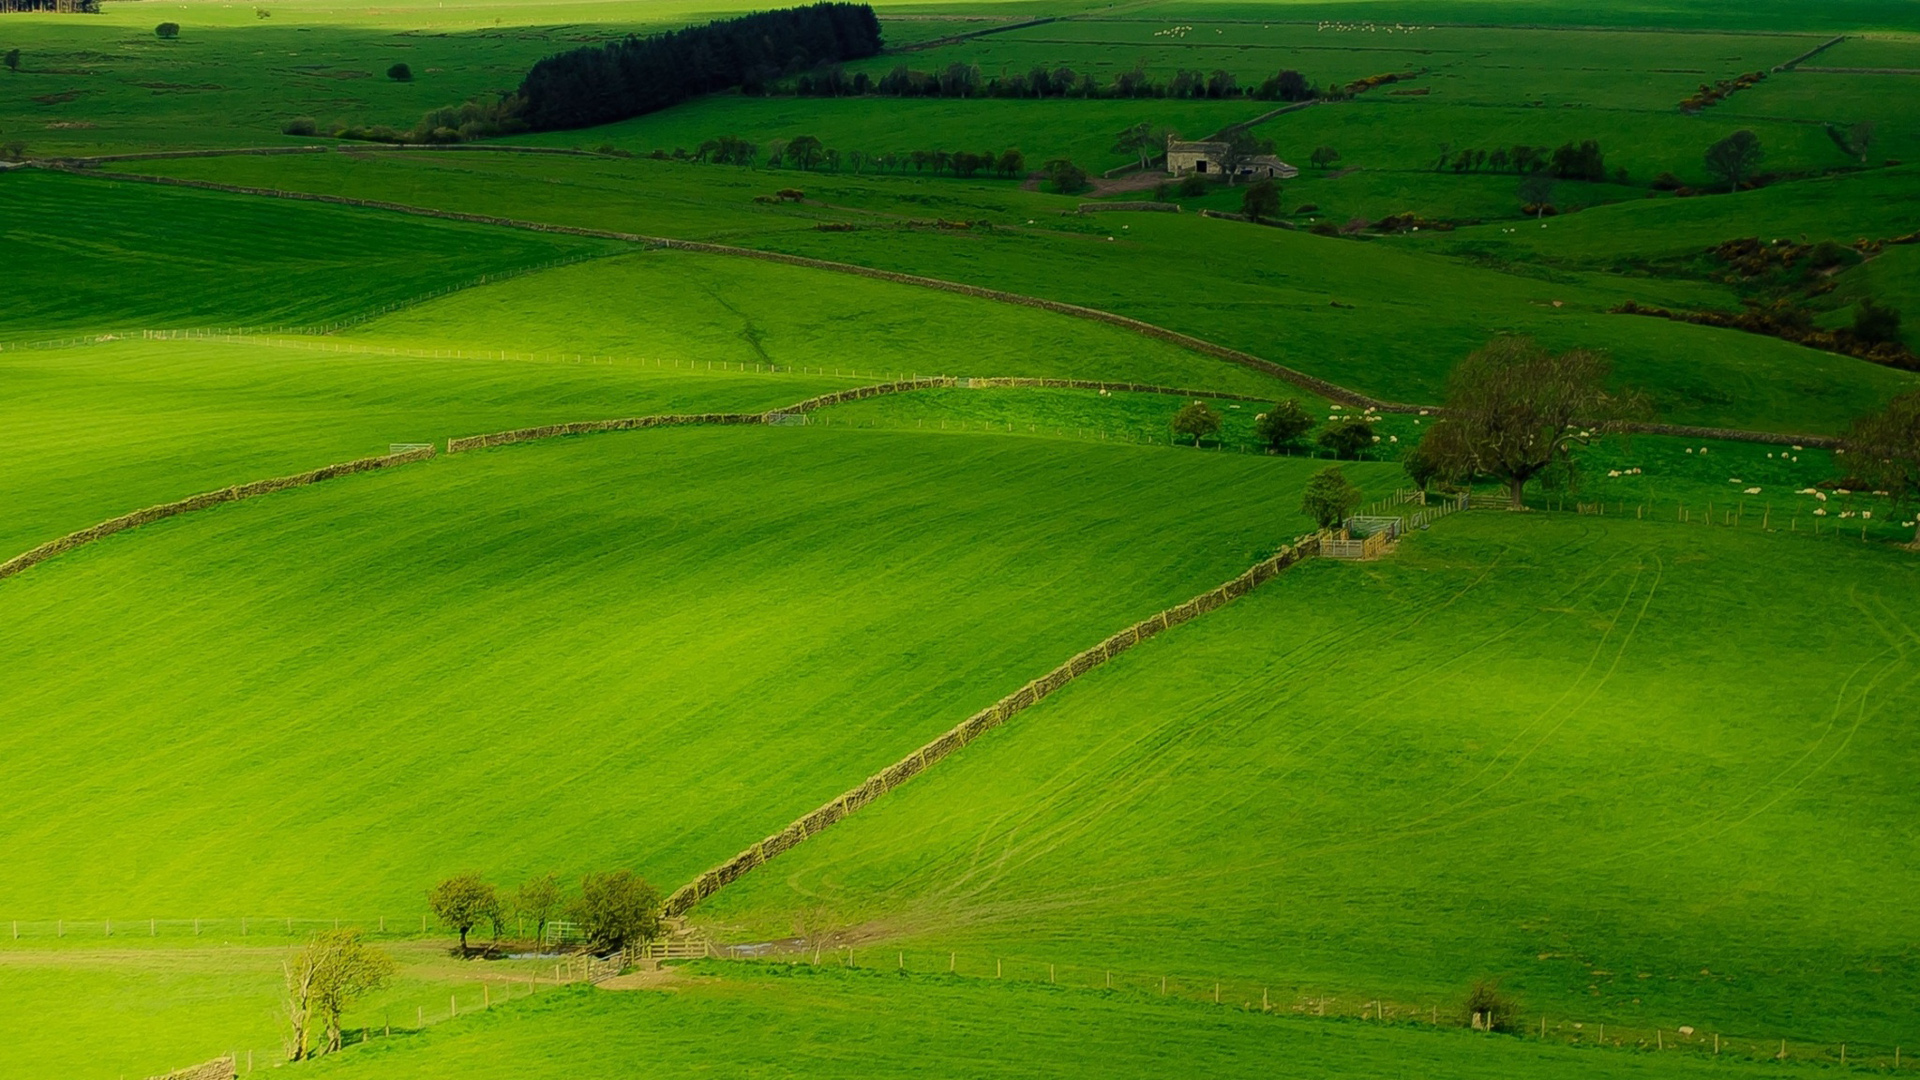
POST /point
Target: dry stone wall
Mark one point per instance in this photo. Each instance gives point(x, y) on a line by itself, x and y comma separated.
point(201, 502)
point(221, 1068)
point(980, 723)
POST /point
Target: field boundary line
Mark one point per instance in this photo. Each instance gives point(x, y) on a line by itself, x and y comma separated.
point(1330, 390)
point(1810, 53)
point(202, 501)
point(993, 716)
point(1323, 387)
point(462, 444)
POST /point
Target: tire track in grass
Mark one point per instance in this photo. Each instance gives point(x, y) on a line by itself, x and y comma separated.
point(1779, 787)
point(1068, 782)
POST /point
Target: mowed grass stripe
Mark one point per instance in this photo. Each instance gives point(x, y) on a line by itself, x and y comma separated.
point(640, 650)
point(106, 256)
point(98, 431)
point(1640, 773)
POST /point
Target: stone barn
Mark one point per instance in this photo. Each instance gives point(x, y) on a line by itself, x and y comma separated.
point(1204, 158)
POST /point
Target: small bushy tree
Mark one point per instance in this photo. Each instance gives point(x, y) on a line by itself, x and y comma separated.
point(1853, 141)
point(1874, 324)
point(1064, 176)
point(1283, 425)
point(1421, 466)
point(1329, 497)
point(13, 59)
point(616, 909)
point(1883, 448)
point(1261, 200)
point(538, 900)
point(1196, 420)
point(463, 902)
point(805, 152)
point(400, 73)
point(1324, 157)
point(1488, 1008)
point(1536, 190)
point(1734, 158)
point(324, 979)
point(300, 125)
point(1191, 186)
point(167, 31)
point(1347, 438)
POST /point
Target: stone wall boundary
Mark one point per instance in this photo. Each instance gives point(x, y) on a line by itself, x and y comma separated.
point(1330, 390)
point(220, 1068)
point(203, 501)
point(993, 716)
point(1325, 388)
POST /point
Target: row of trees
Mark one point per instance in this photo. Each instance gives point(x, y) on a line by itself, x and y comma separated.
point(599, 84)
point(1568, 161)
point(1514, 412)
point(808, 153)
point(968, 81)
point(1283, 427)
point(611, 909)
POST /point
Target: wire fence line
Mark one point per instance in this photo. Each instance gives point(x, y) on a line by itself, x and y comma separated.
point(1861, 520)
point(1251, 995)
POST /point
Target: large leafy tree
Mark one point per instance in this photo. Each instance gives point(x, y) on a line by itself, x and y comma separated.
point(1513, 410)
point(1883, 449)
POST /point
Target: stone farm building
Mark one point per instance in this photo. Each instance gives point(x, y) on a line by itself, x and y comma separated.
point(1204, 158)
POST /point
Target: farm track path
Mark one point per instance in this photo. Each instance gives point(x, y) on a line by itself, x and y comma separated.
point(1326, 388)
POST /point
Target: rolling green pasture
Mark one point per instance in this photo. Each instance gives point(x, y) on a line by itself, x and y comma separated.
point(1647, 773)
point(108, 257)
point(727, 310)
point(1277, 294)
point(1642, 774)
point(633, 650)
point(729, 1019)
point(93, 1008)
point(1774, 16)
point(1077, 129)
point(99, 430)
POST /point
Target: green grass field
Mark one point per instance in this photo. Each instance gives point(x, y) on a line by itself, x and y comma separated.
point(112, 258)
point(807, 1022)
point(1411, 315)
point(1560, 752)
point(665, 592)
point(1644, 767)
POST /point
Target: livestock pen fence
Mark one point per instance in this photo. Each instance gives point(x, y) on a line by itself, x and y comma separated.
point(1371, 531)
point(1252, 995)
